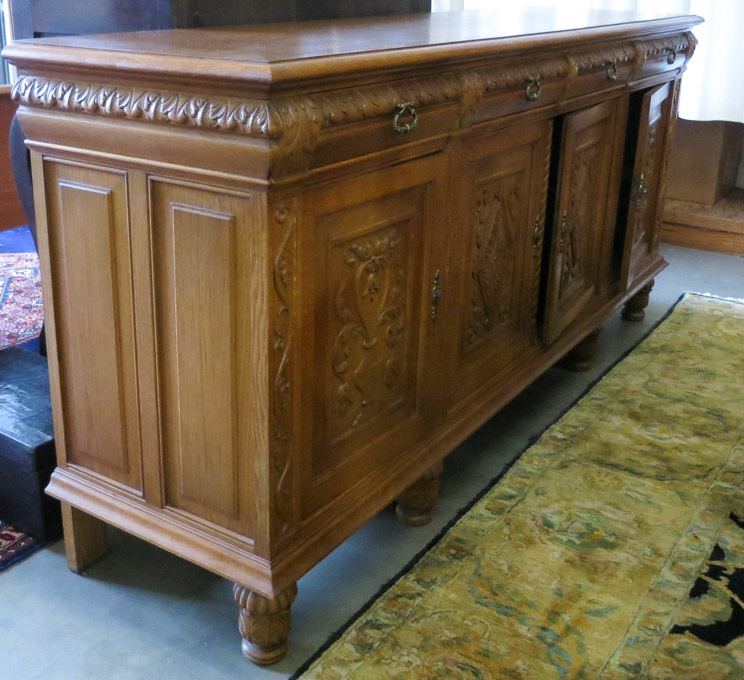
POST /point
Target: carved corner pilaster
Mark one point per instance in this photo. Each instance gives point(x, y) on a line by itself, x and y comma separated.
point(282, 311)
point(295, 125)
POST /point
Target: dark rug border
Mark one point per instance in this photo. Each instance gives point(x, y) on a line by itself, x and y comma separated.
point(336, 635)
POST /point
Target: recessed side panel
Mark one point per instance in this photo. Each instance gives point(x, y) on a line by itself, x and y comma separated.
point(200, 313)
point(90, 249)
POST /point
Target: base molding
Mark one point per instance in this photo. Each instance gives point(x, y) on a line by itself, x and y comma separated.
point(718, 227)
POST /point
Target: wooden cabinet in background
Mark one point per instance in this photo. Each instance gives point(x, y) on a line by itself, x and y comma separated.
point(289, 268)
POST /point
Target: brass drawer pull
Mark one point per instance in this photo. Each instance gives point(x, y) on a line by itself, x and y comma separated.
point(403, 108)
point(436, 293)
point(612, 70)
point(671, 55)
point(537, 236)
point(533, 89)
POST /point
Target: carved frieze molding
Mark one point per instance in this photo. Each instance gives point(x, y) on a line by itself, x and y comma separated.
point(621, 54)
point(681, 43)
point(246, 116)
point(293, 124)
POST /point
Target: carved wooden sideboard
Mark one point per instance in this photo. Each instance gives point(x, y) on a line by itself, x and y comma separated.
point(289, 268)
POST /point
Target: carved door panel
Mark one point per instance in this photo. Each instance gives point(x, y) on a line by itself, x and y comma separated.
point(642, 235)
point(584, 218)
point(503, 191)
point(367, 264)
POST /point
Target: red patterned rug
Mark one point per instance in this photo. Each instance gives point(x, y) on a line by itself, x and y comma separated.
point(21, 306)
point(14, 545)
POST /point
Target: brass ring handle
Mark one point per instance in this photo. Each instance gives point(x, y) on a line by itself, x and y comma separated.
point(533, 89)
point(671, 56)
point(436, 293)
point(403, 108)
point(612, 70)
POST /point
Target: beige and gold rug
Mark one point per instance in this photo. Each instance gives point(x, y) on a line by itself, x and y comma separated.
point(613, 548)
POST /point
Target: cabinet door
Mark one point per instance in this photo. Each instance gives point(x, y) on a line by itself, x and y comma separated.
point(584, 219)
point(642, 235)
point(500, 203)
point(366, 270)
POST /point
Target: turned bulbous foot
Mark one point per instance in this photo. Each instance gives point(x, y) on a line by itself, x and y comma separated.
point(580, 357)
point(415, 506)
point(635, 308)
point(264, 623)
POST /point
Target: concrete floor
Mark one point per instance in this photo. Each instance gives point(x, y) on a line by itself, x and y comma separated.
point(143, 614)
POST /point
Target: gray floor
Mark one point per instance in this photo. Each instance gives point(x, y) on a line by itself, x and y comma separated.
point(143, 614)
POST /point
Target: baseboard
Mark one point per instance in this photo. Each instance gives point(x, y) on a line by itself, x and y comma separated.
point(719, 227)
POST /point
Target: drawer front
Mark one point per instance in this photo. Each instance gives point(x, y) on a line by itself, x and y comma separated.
point(664, 55)
point(599, 71)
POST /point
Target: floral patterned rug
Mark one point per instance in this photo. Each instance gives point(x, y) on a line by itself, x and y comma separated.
point(14, 545)
point(21, 306)
point(613, 548)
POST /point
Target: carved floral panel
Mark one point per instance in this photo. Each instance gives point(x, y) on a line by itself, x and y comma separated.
point(369, 328)
point(577, 226)
point(498, 205)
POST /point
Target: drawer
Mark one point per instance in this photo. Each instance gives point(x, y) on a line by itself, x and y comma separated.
point(662, 56)
point(595, 72)
point(530, 90)
point(510, 88)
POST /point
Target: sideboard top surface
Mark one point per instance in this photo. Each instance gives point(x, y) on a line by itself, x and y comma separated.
point(276, 54)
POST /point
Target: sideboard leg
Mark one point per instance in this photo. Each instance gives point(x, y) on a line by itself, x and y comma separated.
point(580, 357)
point(415, 506)
point(264, 623)
point(633, 310)
point(85, 538)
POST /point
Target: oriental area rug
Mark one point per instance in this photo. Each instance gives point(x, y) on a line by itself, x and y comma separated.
point(21, 306)
point(613, 548)
point(14, 545)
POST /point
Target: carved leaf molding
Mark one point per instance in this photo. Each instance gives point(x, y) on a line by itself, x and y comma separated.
point(228, 115)
point(297, 121)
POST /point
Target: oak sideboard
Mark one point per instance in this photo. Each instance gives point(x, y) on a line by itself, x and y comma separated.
point(288, 268)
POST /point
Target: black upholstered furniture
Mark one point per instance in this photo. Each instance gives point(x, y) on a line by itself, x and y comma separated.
point(27, 455)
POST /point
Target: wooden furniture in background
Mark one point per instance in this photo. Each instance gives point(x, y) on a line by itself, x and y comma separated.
point(39, 18)
point(704, 208)
point(290, 268)
point(11, 211)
